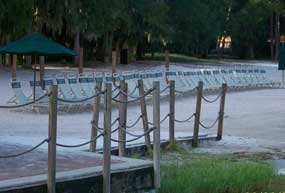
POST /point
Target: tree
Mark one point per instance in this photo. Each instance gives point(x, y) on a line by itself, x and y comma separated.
point(249, 29)
point(196, 25)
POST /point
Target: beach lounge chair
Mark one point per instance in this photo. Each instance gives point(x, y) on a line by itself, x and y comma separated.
point(229, 78)
point(213, 83)
point(173, 75)
point(86, 86)
point(75, 87)
point(19, 96)
point(65, 91)
point(188, 78)
point(37, 85)
point(129, 78)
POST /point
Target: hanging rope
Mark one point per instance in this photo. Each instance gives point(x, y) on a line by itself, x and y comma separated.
point(131, 140)
point(161, 121)
point(129, 95)
point(80, 145)
point(163, 90)
point(134, 135)
point(25, 152)
point(135, 100)
point(211, 126)
point(185, 120)
point(133, 92)
point(135, 123)
point(25, 104)
point(80, 100)
point(212, 101)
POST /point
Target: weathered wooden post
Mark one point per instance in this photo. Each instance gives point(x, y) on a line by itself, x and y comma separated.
point(107, 138)
point(144, 114)
point(114, 61)
point(81, 60)
point(7, 60)
point(197, 114)
point(172, 112)
point(42, 70)
point(166, 60)
point(52, 127)
point(122, 118)
point(156, 133)
point(14, 67)
point(221, 112)
point(96, 112)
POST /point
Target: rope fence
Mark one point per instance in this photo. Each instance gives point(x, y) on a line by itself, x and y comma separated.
point(213, 100)
point(25, 104)
point(185, 120)
point(122, 129)
point(81, 144)
point(135, 139)
point(135, 100)
point(210, 126)
point(135, 123)
point(25, 152)
point(80, 100)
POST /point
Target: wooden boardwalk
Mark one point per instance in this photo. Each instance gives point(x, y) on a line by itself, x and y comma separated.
point(30, 170)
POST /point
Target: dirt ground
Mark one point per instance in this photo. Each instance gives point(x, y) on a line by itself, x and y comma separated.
point(254, 119)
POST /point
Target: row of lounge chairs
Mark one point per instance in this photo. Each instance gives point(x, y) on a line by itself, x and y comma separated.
point(73, 87)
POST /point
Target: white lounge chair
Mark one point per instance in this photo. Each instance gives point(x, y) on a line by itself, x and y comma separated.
point(19, 96)
point(85, 86)
point(75, 87)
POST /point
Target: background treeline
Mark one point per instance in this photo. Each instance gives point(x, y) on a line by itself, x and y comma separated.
point(189, 27)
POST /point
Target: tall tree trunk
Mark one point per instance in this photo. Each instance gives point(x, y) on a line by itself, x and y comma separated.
point(139, 52)
point(272, 37)
point(108, 43)
point(251, 52)
point(277, 36)
point(223, 44)
point(76, 46)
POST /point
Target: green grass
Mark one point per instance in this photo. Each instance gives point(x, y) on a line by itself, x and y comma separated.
point(203, 173)
point(179, 58)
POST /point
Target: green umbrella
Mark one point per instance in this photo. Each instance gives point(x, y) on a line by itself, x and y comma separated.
point(39, 45)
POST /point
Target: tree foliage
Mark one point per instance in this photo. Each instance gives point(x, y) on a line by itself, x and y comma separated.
point(184, 26)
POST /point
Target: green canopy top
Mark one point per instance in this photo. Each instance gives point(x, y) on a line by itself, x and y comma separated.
point(37, 44)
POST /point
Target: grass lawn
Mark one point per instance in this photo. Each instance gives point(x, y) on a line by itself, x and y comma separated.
point(180, 58)
point(186, 172)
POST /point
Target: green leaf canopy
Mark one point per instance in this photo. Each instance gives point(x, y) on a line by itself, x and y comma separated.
point(37, 44)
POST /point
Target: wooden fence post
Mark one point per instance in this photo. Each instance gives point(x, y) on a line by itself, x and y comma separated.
point(107, 138)
point(81, 60)
point(221, 113)
point(197, 114)
point(172, 112)
point(156, 134)
point(122, 119)
point(52, 127)
point(14, 67)
point(114, 61)
point(144, 114)
point(42, 71)
point(96, 112)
